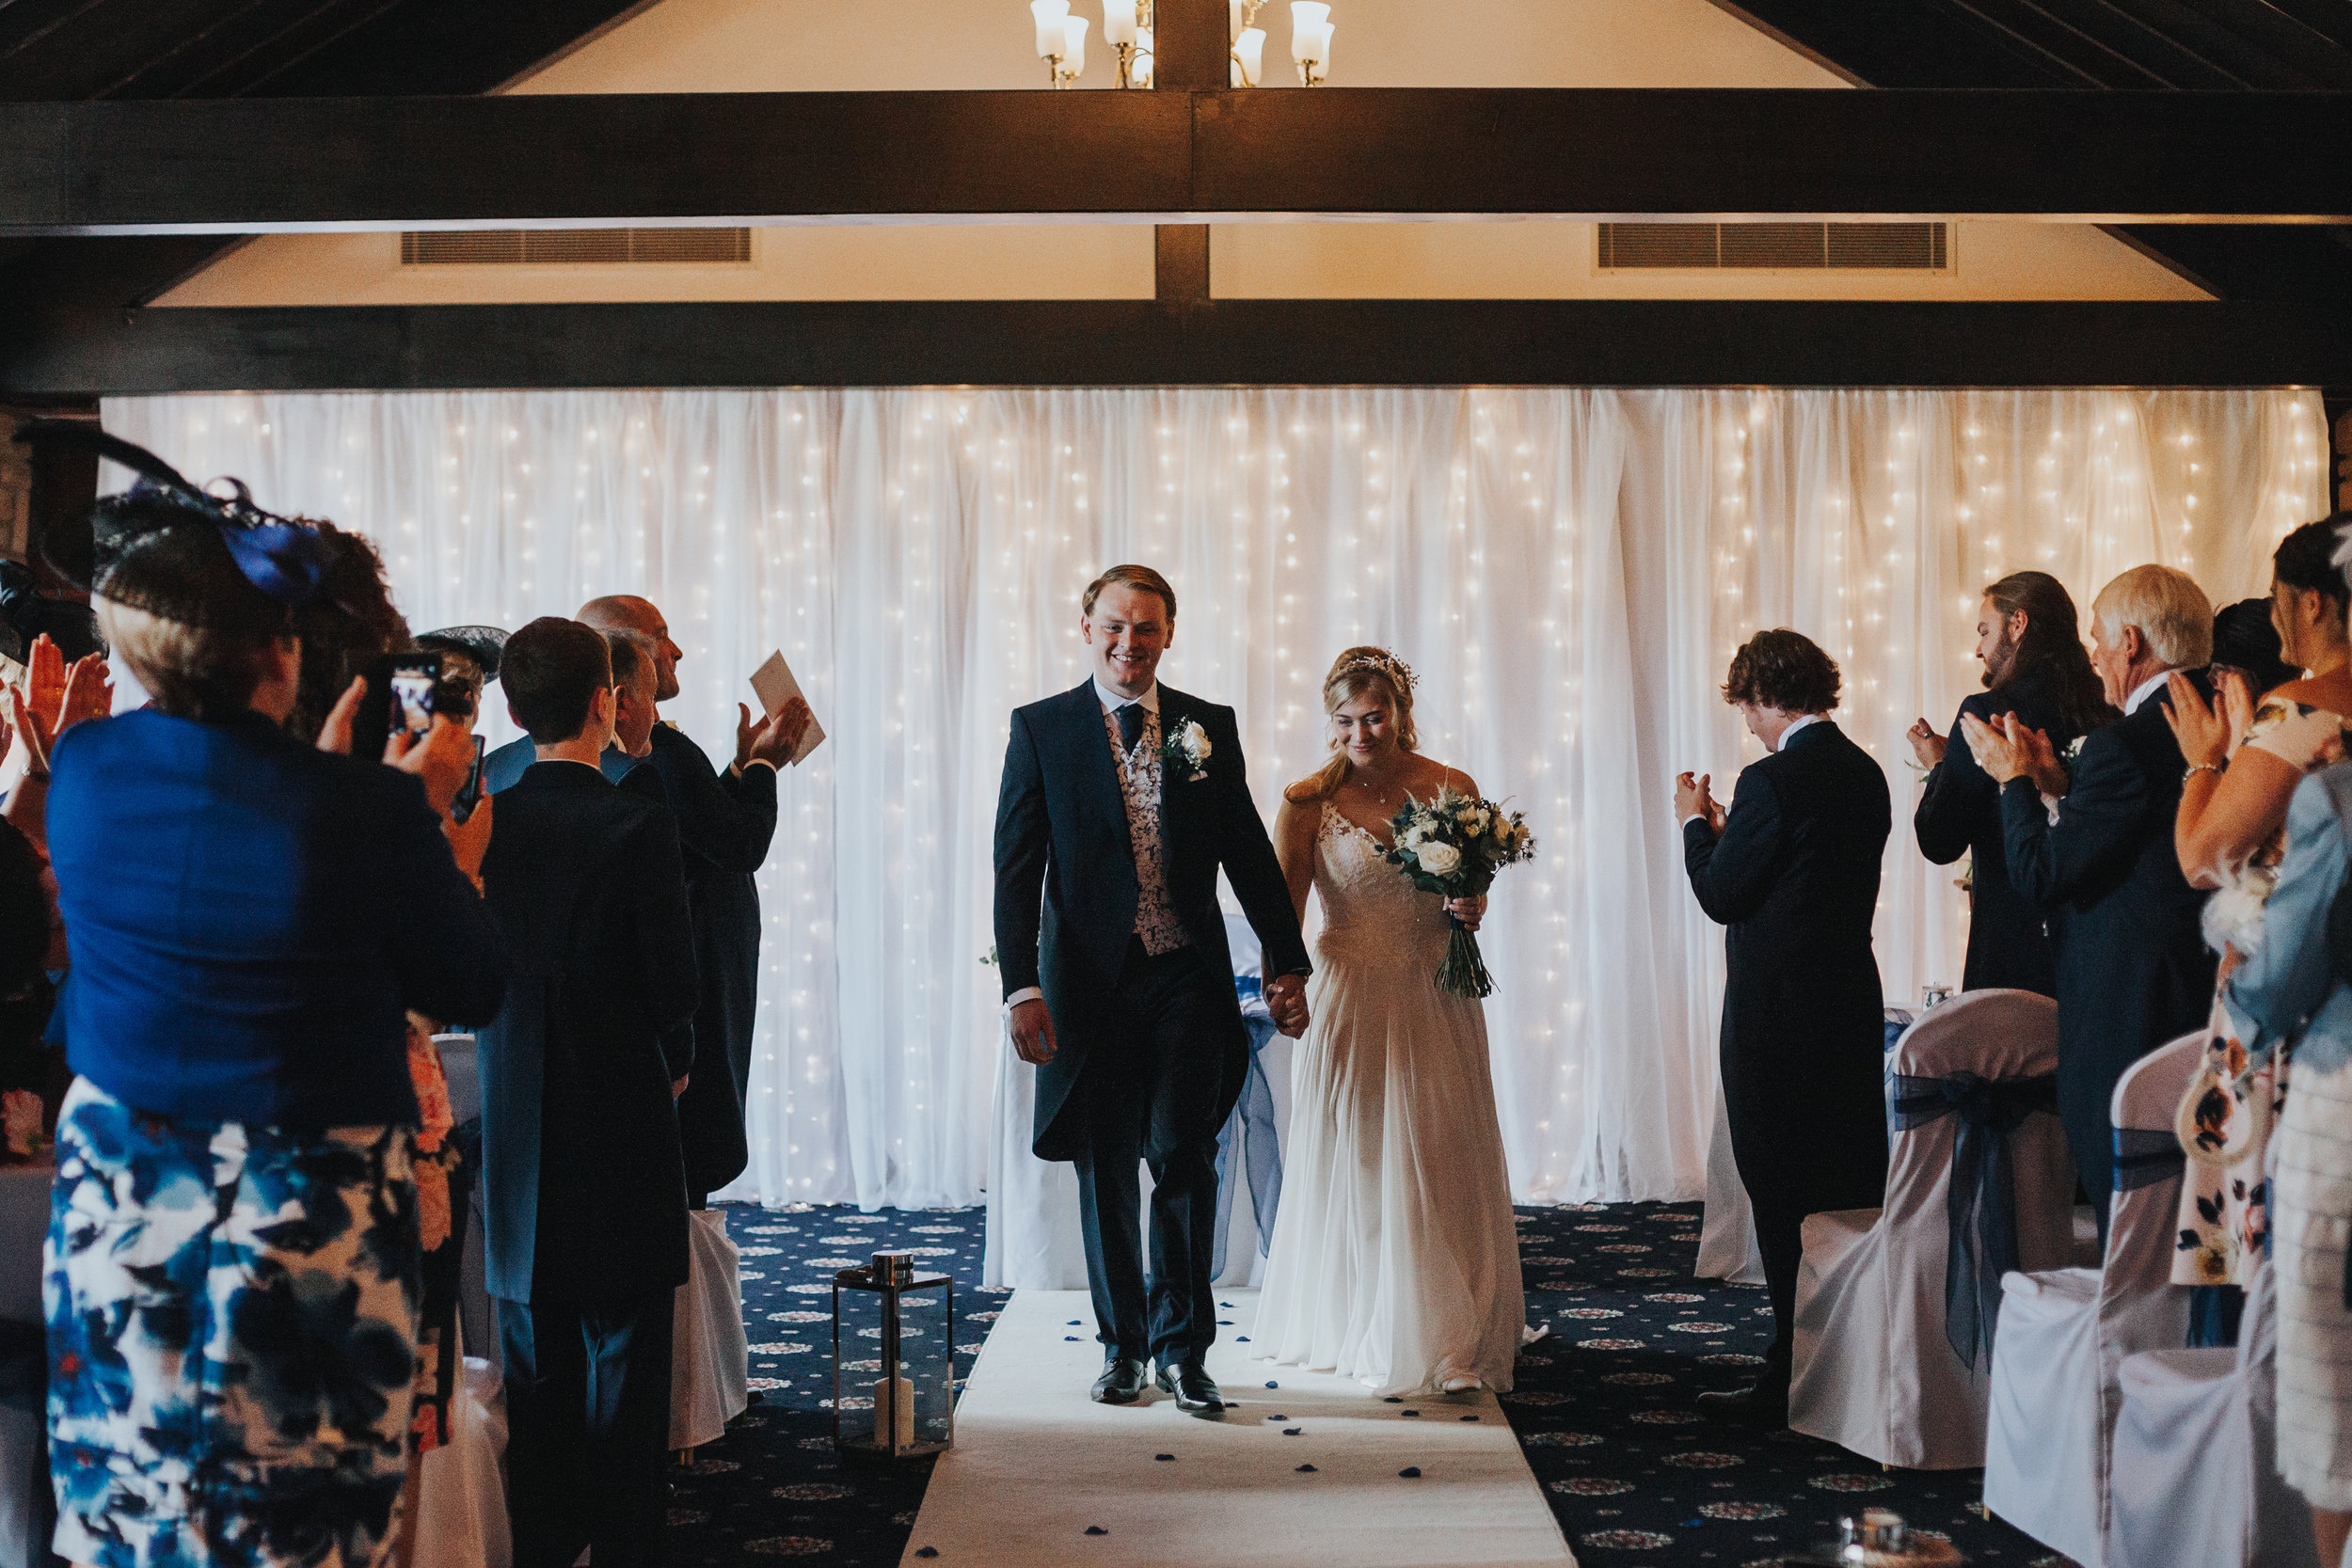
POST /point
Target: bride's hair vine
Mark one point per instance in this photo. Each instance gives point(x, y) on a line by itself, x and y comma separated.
point(1377, 661)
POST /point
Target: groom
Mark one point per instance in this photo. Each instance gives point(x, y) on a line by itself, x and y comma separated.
point(1120, 799)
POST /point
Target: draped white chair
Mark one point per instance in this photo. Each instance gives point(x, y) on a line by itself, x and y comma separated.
point(1892, 1353)
point(2195, 1478)
point(710, 1357)
point(2065, 1332)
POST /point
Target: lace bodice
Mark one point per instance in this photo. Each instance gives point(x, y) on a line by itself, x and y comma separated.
point(1370, 914)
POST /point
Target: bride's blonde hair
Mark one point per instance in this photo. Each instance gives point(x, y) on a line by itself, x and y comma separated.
point(1353, 674)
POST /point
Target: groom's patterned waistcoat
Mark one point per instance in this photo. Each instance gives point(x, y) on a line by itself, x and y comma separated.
point(1139, 781)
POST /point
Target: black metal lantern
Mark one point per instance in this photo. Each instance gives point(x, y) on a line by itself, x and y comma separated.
point(894, 1360)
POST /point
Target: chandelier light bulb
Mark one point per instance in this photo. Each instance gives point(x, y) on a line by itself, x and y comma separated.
point(1050, 15)
point(1118, 22)
point(1073, 63)
point(1306, 17)
point(1249, 55)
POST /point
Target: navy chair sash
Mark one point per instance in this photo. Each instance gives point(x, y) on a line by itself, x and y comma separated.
point(1981, 1203)
point(2144, 1157)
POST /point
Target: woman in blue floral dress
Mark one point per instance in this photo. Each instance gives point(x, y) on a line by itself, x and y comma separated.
point(232, 1273)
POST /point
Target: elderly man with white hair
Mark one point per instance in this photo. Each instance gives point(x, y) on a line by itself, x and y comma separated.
point(2133, 969)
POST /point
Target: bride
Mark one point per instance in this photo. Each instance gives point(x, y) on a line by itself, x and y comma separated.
point(1393, 1261)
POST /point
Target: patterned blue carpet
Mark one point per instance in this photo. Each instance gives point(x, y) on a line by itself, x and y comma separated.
point(1603, 1406)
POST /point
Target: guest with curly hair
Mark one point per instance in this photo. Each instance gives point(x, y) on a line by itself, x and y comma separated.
point(1792, 869)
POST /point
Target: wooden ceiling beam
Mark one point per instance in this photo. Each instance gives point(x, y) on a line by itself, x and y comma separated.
point(256, 165)
point(1183, 341)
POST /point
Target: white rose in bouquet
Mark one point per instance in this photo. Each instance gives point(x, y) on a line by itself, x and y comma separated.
point(1439, 860)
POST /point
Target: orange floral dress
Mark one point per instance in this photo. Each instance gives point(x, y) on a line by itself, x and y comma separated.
point(2233, 1102)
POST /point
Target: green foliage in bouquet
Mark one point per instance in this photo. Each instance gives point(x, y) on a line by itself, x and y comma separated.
point(1453, 846)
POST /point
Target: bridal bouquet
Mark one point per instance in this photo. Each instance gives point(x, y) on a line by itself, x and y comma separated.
point(1453, 846)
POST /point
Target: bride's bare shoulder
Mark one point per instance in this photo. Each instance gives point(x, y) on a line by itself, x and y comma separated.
point(1434, 775)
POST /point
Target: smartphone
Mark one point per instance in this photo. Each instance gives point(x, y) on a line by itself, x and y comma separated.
point(399, 697)
point(469, 793)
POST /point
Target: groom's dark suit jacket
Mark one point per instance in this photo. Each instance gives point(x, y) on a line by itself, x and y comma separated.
point(1066, 887)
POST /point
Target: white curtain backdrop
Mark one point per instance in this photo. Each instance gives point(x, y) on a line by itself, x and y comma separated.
point(1569, 571)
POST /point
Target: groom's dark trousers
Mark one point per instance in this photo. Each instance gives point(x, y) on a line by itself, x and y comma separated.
point(1151, 1051)
point(1150, 1100)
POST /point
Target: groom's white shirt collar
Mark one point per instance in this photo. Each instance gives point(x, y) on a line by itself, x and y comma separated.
point(1112, 702)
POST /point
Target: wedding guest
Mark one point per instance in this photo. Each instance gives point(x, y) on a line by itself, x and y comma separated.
point(725, 823)
point(2245, 760)
point(2246, 642)
point(1792, 870)
point(252, 918)
point(585, 1189)
point(634, 716)
point(2133, 970)
point(2291, 991)
point(2035, 668)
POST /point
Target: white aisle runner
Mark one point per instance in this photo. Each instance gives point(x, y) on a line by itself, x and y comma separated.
point(1036, 1464)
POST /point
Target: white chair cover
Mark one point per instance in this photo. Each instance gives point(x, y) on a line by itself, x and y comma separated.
point(2195, 1478)
point(461, 1506)
point(1872, 1368)
point(1727, 1226)
point(710, 1359)
point(2065, 1332)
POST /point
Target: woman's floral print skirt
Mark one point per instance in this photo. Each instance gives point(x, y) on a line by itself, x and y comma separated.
point(232, 1326)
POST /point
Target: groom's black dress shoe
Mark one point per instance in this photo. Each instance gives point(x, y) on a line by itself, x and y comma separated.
point(1121, 1382)
point(1758, 1405)
point(1196, 1391)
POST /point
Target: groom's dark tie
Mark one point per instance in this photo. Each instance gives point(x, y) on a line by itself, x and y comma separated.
point(1130, 725)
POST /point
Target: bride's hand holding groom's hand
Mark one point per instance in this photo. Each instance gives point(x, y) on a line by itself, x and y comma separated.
point(1286, 999)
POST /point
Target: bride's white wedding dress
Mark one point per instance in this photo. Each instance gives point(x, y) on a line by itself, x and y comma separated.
point(1393, 1260)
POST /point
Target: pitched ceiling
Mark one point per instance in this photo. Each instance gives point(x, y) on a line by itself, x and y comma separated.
point(85, 49)
point(2185, 46)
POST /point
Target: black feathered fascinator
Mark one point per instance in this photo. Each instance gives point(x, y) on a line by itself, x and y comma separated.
point(176, 550)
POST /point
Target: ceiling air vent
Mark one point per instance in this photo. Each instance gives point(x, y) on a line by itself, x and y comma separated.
point(1877, 246)
point(514, 247)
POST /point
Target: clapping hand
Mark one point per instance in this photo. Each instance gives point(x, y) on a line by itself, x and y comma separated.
point(774, 740)
point(2203, 732)
point(2011, 751)
point(1286, 999)
point(53, 699)
point(1926, 744)
point(1691, 799)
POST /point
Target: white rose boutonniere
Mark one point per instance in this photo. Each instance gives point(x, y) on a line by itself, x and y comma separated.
point(1439, 860)
point(1186, 751)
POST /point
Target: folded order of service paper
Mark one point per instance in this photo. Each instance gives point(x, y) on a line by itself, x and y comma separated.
point(773, 684)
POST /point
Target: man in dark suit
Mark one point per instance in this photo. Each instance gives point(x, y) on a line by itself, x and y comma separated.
point(2132, 968)
point(585, 1192)
point(2035, 668)
point(725, 823)
point(1792, 870)
point(1120, 801)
